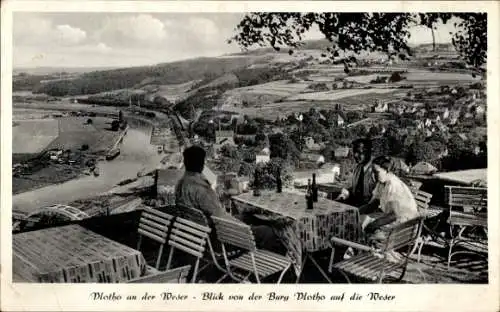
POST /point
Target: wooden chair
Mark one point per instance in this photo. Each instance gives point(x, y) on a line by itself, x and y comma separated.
point(260, 263)
point(214, 253)
point(468, 210)
point(154, 224)
point(423, 199)
point(173, 276)
point(189, 237)
point(374, 265)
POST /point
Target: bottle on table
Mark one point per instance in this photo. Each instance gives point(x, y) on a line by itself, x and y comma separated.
point(314, 189)
point(309, 199)
point(279, 183)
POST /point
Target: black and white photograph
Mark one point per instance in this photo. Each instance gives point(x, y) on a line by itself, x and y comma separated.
point(250, 147)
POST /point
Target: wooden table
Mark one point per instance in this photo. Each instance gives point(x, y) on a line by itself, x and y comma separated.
point(308, 230)
point(73, 254)
point(464, 177)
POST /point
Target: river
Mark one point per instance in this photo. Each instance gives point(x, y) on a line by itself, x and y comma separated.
point(136, 155)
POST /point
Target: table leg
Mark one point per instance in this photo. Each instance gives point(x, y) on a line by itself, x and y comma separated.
point(301, 269)
point(319, 268)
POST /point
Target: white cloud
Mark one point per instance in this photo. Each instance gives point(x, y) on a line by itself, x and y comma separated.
point(36, 31)
point(123, 31)
point(203, 27)
point(102, 47)
point(70, 35)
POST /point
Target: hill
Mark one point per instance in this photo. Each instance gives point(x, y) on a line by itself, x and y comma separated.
point(94, 82)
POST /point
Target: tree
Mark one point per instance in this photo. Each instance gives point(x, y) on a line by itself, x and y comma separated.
point(283, 147)
point(352, 33)
point(89, 121)
point(120, 116)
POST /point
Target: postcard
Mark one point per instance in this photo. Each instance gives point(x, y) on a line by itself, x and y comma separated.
point(249, 155)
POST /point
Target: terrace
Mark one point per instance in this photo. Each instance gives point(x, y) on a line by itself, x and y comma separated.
point(122, 230)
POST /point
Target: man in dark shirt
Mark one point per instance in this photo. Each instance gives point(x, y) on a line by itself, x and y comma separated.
point(194, 190)
point(363, 182)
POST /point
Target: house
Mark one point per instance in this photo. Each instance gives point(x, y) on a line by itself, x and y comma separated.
point(480, 110)
point(453, 117)
point(315, 158)
point(420, 113)
point(338, 120)
point(380, 107)
point(427, 122)
point(433, 116)
point(463, 137)
point(342, 152)
point(312, 146)
point(411, 110)
point(263, 156)
point(326, 174)
point(446, 113)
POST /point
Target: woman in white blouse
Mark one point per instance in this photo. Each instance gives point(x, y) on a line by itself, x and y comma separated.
point(392, 203)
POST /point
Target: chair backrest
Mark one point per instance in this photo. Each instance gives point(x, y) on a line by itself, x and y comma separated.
point(403, 234)
point(461, 196)
point(189, 237)
point(155, 224)
point(475, 198)
point(173, 276)
point(234, 233)
point(414, 185)
point(423, 199)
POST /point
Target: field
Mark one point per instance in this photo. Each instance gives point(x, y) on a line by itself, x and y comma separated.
point(32, 136)
point(337, 94)
point(262, 93)
point(419, 77)
point(363, 101)
point(175, 92)
point(74, 132)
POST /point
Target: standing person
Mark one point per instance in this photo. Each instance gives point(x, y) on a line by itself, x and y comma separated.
point(363, 182)
point(194, 190)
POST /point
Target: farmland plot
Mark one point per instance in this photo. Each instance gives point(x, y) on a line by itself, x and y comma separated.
point(32, 136)
point(336, 94)
point(440, 76)
point(263, 93)
point(176, 92)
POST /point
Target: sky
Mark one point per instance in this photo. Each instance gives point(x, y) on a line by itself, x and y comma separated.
point(133, 39)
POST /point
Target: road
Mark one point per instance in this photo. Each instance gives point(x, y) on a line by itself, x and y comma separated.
point(136, 154)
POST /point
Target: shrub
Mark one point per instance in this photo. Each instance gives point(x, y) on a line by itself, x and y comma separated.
point(395, 77)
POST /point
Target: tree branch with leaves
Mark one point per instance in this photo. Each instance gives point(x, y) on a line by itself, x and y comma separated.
point(353, 33)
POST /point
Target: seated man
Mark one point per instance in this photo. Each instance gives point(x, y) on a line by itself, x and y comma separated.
point(359, 192)
point(194, 190)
